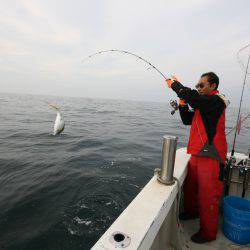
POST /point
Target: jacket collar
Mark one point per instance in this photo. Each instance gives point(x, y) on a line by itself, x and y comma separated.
point(213, 92)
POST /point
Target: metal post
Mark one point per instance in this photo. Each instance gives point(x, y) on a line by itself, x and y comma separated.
point(165, 175)
point(246, 175)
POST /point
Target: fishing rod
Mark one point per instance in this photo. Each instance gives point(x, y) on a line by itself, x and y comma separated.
point(128, 53)
point(231, 161)
point(241, 98)
point(246, 176)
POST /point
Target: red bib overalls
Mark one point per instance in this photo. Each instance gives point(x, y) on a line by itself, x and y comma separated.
point(202, 187)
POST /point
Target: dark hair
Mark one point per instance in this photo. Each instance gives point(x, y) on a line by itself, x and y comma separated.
point(212, 78)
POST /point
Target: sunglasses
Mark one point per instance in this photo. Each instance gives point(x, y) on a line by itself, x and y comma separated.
point(199, 85)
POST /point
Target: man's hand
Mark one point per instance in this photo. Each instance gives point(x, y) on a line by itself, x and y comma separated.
point(182, 102)
point(171, 80)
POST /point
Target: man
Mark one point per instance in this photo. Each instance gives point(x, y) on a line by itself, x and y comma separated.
point(208, 147)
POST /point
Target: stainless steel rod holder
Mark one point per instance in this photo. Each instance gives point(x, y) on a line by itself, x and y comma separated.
point(165, 174)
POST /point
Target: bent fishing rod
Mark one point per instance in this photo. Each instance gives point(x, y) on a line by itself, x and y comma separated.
point(128, 53)
point(241, 98)
point(231, 161)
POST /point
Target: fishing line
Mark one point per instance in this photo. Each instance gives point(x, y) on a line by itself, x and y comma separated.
point(128, 53)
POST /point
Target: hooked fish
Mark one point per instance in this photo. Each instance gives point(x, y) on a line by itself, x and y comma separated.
point(59, 122)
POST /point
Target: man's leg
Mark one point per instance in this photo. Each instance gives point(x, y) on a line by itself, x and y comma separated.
point(209, 193)
point(191, 189)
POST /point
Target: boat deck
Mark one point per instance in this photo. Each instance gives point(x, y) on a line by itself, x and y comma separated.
point(221, 243)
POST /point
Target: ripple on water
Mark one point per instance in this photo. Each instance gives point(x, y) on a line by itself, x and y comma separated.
point(91, 214)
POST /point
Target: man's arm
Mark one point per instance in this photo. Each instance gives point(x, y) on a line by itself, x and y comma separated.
point(207, 103)
point(186, 114)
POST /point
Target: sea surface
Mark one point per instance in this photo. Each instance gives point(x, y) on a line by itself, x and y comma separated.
point(63, 192)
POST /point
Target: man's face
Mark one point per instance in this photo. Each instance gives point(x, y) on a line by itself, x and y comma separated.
point(204, 87)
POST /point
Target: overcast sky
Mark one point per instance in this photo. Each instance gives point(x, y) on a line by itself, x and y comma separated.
point(43, 42)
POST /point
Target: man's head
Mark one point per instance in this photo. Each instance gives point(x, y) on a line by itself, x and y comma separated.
point(207, 83)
